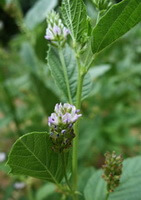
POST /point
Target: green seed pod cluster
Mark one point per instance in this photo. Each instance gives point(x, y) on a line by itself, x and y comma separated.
point(62, 138)
point(102, 4)
point(112, 170)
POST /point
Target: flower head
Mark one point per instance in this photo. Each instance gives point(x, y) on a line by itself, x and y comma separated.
point(112, 170)
point(61, 125)
point(56, 32)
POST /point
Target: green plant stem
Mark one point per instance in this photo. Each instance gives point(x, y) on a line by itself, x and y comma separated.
point(29, 192)
point(74, 160)
point(98, 17)
point(107, 196)
point(79, 89)
point(75, 141)
point(65, 73)
point(65, 174)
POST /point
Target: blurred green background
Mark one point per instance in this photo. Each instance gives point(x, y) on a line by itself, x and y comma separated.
point(111, 113)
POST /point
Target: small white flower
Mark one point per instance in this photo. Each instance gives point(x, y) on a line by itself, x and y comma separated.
point(2, 156)
point(53, 119)
point(19, 185)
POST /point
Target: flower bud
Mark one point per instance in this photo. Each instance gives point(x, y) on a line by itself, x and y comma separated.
point(56, 32)
point(102, 4)
point(61, 126)
point(112, 170)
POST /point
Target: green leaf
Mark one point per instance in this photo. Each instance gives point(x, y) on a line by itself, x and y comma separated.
point(28, 56)
point(115, 23)
point(130, 183)
point(4, 168)
point(83, 178)
point(87, 85)
point(86, 140)
point(2, 3)
point(99, 70)
point(32, 155)
point(130, 186)
point(39, 12)
point(56, 68)
point(47, 98)
point(96, 187)
point(9, 99)
point(5, 121)
point(8, 191)
point(75, 18)
point(45, 191)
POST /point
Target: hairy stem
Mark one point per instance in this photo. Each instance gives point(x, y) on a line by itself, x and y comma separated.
point(66, 178)
point(65, 74)
point(79, 86)
point(75, 141)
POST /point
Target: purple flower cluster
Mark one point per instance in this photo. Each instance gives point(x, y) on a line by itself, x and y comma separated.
point(64, 114)
point(61, 125)
point(56, 32)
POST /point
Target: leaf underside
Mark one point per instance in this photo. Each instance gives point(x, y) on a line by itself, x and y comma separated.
point(71, 67)
point(75, 18)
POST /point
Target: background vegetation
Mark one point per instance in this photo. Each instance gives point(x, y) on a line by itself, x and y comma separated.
point(111, 113)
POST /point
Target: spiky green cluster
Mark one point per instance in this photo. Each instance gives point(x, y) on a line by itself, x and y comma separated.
point(112, 170)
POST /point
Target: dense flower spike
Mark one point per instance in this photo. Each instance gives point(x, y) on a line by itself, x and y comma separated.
point(56, 32)
point(61, 126)
point(112, 170)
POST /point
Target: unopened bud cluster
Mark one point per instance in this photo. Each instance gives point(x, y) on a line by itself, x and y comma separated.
point(102, 4)
point(112, 170)
point(61, 126)
point(56, 32)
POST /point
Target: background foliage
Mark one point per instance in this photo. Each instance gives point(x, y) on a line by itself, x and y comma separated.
point(111, 112)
